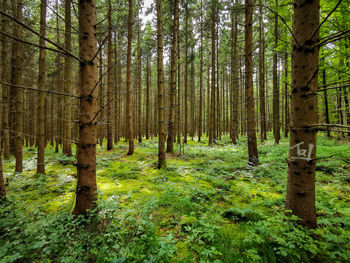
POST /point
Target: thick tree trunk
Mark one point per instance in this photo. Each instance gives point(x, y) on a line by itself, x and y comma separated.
point(249, 93)
point(302, 145)
point(161, 113)
point(41, 86)
point(139, 82)
point(5, 73)
point(109, 80)
point(173, 67)
point(86, 194)
point(128, 110)
point(67, 131)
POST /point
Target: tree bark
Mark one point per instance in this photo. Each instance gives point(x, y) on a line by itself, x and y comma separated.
point(300, 197)
point(41, 86)
point(161, 113)
point(128, 110)
point(109, 80)
point(213, 51)
point(249, 94)
point(139, 82)
point(86, 195)
point(286, 97)
point(276, 98)
point(173, 65)
point(200, 117)
point(185, 75)
point(67, 131)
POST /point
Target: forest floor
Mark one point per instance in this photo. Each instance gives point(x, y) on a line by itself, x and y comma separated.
point(208, 205)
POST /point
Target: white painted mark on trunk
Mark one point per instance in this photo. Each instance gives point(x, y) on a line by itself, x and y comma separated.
point(302, 154)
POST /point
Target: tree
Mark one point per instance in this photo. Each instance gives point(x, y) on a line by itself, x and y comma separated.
point(173, 65)
point(86, 194)
point(41, 86)
point(67, 131)
point(161, 113)
point(249, 94)
point(109, 80)
point(212, 103)
point(128, 110)
point(300, 197)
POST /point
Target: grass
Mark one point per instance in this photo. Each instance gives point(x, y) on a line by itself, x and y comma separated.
point(205, 206)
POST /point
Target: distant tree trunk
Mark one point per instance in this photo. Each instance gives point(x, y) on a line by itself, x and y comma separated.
point(200, 117)
point(302, 145)
point(234, 77)
point(276, 95)
point(109, 80)
point(249, 94)
point(18, 93)
point(139, 82)
point(41, 86)
point(286, 96)
point(67, 131)
point(117, 86)
point(262, 76)
point(86, 195)
point(172, 95)
point(208, 95)
point(185, 75)
point(192, 96)
point(2, 184)
point(5, 72)
point(179, 126)
point(161, 113)
point(128, 110)
point(148, 112)
point(213, 49)
point(325, 97)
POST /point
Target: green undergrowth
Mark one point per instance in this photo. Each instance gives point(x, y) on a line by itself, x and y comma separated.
point(207, 205)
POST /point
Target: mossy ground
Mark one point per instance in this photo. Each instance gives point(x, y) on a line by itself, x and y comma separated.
point(207, 205)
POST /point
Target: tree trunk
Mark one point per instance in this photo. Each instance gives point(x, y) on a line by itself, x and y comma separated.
point(200, 117)
point(234, 78)
point(161, 113)
point(185, 75)
point(325, 97)
point(109, 80)
point(86, 195)
point(302, 144)
point(276, 98)
point(213, 51)
point(249, 93)
point(129, 115)
point(17, 80)
point(139, 82)
point(148, 112)
point(172, 95)
point(41, 86)
point(286, 97)
point(67, 131)
point(5, 72)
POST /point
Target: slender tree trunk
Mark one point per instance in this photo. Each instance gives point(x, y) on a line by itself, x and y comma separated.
point(161, 113)
point(41, 86)
point(192, 96)
point(200, 117)
point(172, 95)
point(139, 82)
point(234, 78)
point(179, 126)
point(262, 76)
point(109, 80)
point(129, 105)
point(249, 94)
point(276, 101)
point(185, 75)
point(148, 112)
point(325, 97)
point(116, 90)
point(17, 80)
point(86, 194)
point(67, 131)
point(300, 197)
point(213, 51)
point(286, 96)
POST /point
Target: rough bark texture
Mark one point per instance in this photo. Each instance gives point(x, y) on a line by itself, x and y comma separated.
point(185, 75)
point(200, 117)
point(128, 110)
point(161, 113)
point(139, 82)
point(109, 80)
point(86, 194)
point(300, 197)
point(286, 96)
point(41, 85)
point(67, 131)
point(234, 79)
point(249, 94)
point(172, 95)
